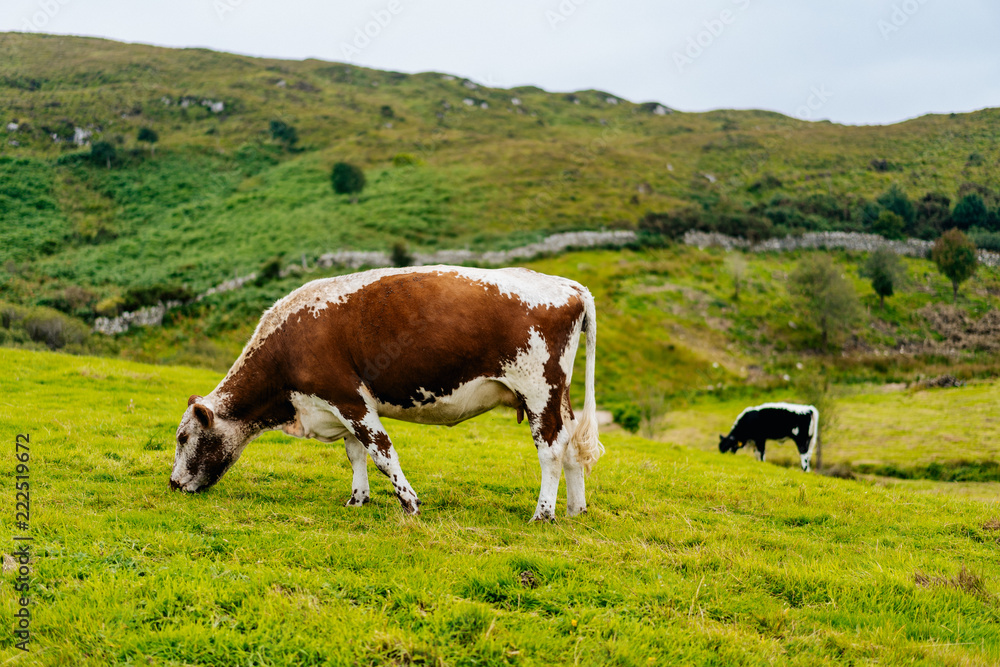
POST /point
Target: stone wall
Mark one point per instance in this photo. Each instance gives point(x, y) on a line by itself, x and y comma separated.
point(839, 240)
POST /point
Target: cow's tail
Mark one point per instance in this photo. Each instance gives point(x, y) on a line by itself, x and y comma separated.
point(586, 438)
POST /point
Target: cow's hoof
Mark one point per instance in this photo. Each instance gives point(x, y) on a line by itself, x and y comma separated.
point(353, 501)
point(576, 512)
point(543, 518)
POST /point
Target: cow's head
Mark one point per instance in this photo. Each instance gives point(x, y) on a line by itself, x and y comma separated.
point(206, 446)
point(728, 443)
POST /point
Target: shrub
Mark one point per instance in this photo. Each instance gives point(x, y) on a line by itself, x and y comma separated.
point(270, 271)
point(149, 136)
point(971, 212)
point(387, 111)
point(347, 179)
point(141, 297)
point(285, 133)
point(112, 306)
point(628, 416)
point(404, 160)
point(889, 225)
point(103, 153)
point(400, 255)
point(933, 216)
point(895, 200)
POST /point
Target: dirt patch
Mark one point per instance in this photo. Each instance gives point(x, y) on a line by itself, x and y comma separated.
point(962, 331)
point(940, 382)
point(963, 581)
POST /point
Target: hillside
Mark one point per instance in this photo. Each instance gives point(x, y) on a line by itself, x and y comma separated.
point(685, 557)
point(450, 163)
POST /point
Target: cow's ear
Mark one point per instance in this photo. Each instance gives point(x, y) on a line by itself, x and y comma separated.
point(193, 398)
point(204, 416)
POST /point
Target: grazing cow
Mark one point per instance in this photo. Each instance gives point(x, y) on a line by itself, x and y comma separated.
point(432, 345)
point(775, 421)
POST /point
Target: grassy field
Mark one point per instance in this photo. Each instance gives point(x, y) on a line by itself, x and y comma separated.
point(686, 557)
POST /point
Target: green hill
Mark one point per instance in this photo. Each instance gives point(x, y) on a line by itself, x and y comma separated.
point(685, 557)
point(220, 195)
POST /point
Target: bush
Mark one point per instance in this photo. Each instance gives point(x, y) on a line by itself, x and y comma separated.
point(933, 216)
point(270, 271)
point(628, 416)
point(141, 297)
point(895, 200)
point(889, 225)
point(103, 153)
point(971, 212)
point(347, 179)
point(285, 133)
point(404, 160)
point(401, 255)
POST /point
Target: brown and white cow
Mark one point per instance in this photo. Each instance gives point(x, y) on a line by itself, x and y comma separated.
point(432, 345)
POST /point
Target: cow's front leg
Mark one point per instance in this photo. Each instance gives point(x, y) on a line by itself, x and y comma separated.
point(372, 435)
point(358, 457)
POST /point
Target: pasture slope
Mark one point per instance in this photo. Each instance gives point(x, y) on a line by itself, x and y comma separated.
point(686, 557)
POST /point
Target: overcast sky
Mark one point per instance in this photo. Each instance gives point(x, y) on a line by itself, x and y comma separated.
point(850, 61)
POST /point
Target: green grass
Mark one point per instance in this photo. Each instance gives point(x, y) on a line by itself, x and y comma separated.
point(685, 557)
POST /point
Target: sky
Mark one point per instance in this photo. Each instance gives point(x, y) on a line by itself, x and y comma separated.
point(849, 61)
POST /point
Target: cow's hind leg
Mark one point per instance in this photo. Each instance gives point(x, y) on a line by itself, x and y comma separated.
point(551, 438)
point(576, 490)
point(358, 457)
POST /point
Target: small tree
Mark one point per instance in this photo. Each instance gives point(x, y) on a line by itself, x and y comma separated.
point(149, 136)
point(103, 152)
point(889, 225)
point(886, 272)
point(736, 264)
point(970, 212)
point(825, 296)
point(285, 133)
point(955, 256)
point(347, 179)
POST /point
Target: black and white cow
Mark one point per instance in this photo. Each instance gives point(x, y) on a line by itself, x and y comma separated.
point(775, 421)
